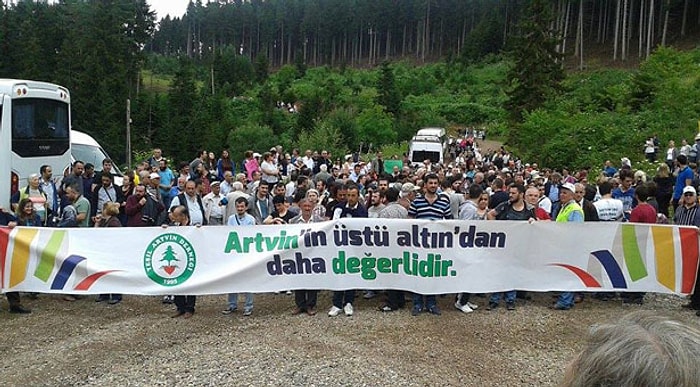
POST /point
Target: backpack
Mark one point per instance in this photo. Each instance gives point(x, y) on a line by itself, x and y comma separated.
point(693, 154)
point(69, 217)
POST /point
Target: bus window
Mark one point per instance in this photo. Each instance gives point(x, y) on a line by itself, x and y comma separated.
point(39, 127)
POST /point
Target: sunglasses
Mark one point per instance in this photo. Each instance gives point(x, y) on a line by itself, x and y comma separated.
point(688, 194)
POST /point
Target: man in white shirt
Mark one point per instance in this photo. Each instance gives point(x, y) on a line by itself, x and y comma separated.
point(213, 207)
point(194, 205)
point(609, 209)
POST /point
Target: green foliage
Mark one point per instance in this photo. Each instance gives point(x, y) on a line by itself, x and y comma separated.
point(250, 137)
point(608, 114)
point(262, 68)
point(323, 136)
point(536, 70)
point(395, 150)
point(486, 38)
point(388, 94)
point(376, 127)
point(233, 73)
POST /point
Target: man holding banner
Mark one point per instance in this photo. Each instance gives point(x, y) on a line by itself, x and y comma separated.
point(515, 208)
point(570, 212)
point(432, 206)
point(350, 208)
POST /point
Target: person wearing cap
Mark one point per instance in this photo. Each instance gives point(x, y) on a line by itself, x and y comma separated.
point(570, 212)
point(684, 179)
point(153, 187)
point(687, 214)
point(214, 208)
point(407, 193)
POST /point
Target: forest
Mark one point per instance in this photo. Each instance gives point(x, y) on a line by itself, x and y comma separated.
point(593, 77)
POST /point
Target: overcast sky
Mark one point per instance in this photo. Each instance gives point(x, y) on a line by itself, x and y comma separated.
point(176, 8)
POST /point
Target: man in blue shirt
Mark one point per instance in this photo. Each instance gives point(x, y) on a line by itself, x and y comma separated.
point(685, 178)
point(625, 192)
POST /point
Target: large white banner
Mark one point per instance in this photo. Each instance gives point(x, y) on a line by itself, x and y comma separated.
point(420, 256)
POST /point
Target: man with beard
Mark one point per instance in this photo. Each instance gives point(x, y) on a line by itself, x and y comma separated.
point(350, 208)
point(432, 206)
point(515, 208)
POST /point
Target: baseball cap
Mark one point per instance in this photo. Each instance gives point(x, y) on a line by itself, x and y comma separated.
point(154, 176)
point(408, 187)
point(689, 188)
point(256, 154)
point(568, 186)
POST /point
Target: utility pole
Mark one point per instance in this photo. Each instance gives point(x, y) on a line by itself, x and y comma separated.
point(128, 134)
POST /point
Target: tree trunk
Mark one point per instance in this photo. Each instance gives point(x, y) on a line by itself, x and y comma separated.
point(605, 15)
point(685, 16)
point(617, 29)
point(565, 33)
point(623, 51)
point(579, 35)
point(650, 27)
point(630, 28)
point(641, 28)
point(426, 33)
point(663, 36)
point(387, 45)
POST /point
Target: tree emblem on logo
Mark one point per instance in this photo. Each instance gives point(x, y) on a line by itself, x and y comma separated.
point(169, 269)
point(169, 256)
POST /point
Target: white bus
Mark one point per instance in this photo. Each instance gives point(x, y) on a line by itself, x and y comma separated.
point(35, 122)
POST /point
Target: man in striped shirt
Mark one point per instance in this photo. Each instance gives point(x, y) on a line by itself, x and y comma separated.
point(432, 206)
point(687, 214)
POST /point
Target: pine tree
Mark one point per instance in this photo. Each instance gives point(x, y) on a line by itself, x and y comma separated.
point(388, 93)
point(169, 256)
point(537, 71)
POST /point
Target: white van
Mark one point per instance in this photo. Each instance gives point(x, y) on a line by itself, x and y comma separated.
point(88, 150)
point(423, 147)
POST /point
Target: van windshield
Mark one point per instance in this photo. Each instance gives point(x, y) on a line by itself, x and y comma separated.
point(91, 154)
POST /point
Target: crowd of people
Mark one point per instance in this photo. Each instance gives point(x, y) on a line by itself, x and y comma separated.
point(278, 187)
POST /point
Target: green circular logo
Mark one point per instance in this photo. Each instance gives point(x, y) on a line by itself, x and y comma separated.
point(169, 260)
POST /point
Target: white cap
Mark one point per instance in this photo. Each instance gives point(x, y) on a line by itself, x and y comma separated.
point(568, 186)
point(689, 188)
